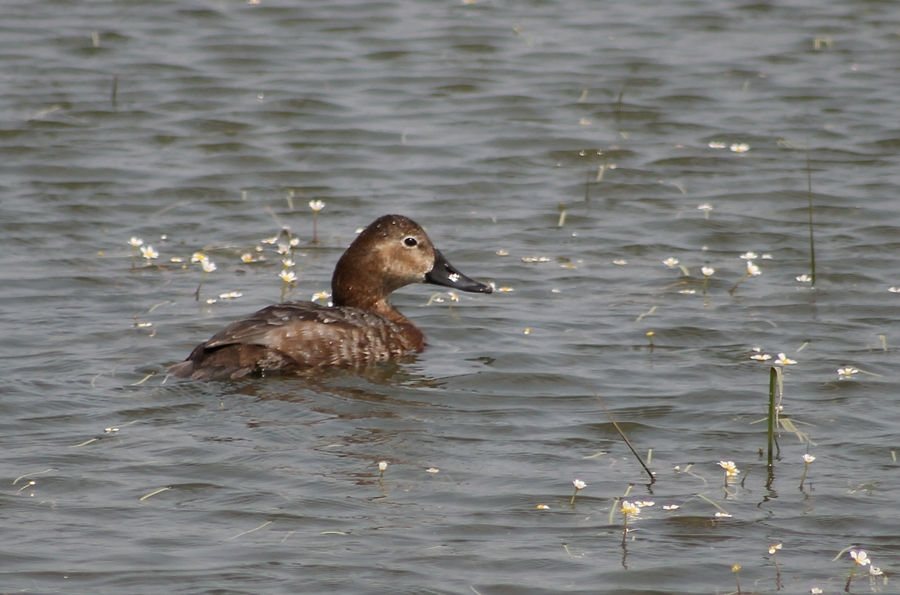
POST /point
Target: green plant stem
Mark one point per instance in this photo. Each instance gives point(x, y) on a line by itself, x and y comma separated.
point(732, 290)
point(812, 247)
point(773, 380)
point(197, 293)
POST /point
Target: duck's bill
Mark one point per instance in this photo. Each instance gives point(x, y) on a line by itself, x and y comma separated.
point(444, 273)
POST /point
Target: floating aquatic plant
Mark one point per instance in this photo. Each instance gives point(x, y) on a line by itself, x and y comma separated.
point(135, 243)
point(287, 278)
point(627, 509)
point(807, 461)
point(752, 271)
point(736, 569)
point(208, 266)
point(860, 558)
point(579, 485)
point(708, 272)
point(316, 206)
point(773, 551)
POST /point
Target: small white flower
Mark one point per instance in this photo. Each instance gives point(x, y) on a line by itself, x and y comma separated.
point(644, 504)
point(671, 506)
point(730, 469)
point(784, 360)
point(271, 240)
point(294, 242)
point(287, 276)
point(232, 295)
point(752, 269)
point(620, 262)
point(749, 256)
point(860, 557)
point(629, 508)
point(761, 357)
point(579, 485)
point(211, 301)
point(723, 515)
point(535, 259)
point(287, 263)
point(321, 295)
point(502, 252)
point(875, 571)
point(816, 591)
point(246, 257)
point(739, 147)
point(688, 291)
point(847, 372)
point(382, 466)
point(707, 271)
point(198, 257)
point(808, 458)
point(208, 266)
point(176, 259)
point(804, 278)
point(774, 548)
point(433, 470)
point(148, 252)
point(894, 289)
point(766, 257)
point(714, 144)
point(542, 507)
point(705, 207)
point(136, 242)
point(316, 205)
point(670, 262)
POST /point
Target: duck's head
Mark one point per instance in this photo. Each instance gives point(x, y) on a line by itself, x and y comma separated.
point(390, 253)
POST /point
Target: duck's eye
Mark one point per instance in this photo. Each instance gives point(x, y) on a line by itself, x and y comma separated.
point(410, 241)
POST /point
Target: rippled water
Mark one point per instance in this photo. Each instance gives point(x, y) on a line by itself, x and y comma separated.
point(214, 124)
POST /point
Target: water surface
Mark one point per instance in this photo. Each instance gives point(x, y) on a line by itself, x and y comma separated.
point(481, 121)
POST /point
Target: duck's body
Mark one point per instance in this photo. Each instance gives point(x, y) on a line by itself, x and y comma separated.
point(360, 329)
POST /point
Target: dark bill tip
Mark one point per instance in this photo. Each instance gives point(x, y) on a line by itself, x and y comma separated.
point(444, 273)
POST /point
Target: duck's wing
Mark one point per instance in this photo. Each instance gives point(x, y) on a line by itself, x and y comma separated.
point(294, 337)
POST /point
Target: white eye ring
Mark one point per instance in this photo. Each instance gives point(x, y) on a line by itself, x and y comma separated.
point(410, 241)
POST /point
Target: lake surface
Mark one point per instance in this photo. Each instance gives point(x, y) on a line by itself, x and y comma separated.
point(557, 149)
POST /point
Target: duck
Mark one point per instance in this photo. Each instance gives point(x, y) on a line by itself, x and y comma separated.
point(360, 329)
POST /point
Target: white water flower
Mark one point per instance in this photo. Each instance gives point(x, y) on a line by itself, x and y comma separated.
point(784, 360)
point(847, 372)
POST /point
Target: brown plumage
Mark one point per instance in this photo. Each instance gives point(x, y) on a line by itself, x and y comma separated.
point(360, 329)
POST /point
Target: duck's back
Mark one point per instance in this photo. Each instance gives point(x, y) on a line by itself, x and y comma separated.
point(297, 336)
